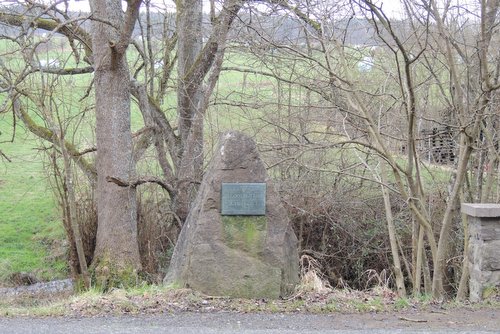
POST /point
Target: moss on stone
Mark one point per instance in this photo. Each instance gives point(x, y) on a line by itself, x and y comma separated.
point(246, 233)
point(490, 291)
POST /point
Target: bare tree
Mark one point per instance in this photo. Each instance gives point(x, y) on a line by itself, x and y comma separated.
point(383, 89)
point(121, 74)
point(195, 63)
point(116, 243)
point(338, 93)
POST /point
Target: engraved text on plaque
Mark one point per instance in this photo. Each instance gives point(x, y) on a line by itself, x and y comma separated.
point(245, 199)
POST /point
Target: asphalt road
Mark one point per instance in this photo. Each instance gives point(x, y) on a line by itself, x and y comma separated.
point(222, 322)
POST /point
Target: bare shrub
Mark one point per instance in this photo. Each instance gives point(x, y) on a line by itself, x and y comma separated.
point(87, 221)
point(347, 237)
point(158, 228)
point(86, 212)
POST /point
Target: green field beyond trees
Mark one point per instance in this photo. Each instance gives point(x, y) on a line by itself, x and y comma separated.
point(32, 238)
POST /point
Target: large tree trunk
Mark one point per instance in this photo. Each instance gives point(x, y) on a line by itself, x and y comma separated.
point(117, 250)
point(189, 103)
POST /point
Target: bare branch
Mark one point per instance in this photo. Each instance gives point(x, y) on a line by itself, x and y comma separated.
point(138, 181)
point(66, 28)
point(63, 71)
point(131, 15)
point(47, 134)
point(4, 156)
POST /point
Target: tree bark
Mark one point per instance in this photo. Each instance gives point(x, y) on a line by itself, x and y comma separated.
point(391, 228)
point(117, 248)
point(189, 99)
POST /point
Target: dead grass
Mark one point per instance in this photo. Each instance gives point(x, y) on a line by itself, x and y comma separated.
point(312, 279)
point(33, 305)
point(311, 297)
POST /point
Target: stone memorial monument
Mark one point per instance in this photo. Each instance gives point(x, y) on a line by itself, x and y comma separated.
point(237, 240)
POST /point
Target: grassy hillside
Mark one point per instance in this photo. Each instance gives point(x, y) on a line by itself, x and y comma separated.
point(31, 234)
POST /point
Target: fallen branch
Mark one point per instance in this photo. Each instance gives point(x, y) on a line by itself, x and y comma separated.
point(138, 181)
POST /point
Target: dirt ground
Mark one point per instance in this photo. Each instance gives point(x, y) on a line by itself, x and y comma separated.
point(460, 320)
point(351, 309)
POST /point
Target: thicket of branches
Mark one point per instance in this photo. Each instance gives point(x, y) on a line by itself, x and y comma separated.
point(375, 127)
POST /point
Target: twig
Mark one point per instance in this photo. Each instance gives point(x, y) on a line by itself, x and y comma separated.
point(412, 320)
point(4, 156)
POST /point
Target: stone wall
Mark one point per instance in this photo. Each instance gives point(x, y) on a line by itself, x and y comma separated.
point(483, 249)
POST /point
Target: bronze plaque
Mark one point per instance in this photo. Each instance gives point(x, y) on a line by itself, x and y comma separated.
point(243, 199)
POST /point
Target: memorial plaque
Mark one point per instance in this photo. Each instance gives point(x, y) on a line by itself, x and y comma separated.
point(243, 199)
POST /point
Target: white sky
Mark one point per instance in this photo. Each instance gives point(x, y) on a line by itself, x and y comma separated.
point(83, 5)
point(392, 8)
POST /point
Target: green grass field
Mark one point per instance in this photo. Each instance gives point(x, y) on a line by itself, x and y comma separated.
point(31, 233)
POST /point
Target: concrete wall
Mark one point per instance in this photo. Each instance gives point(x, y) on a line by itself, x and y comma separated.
point(483, 249)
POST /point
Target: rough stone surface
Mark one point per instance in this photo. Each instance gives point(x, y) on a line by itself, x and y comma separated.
point(250, 256)
point(484, 254)
point(491, 255)
point(490, 229)
point(38, 289)
point(481, 209)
